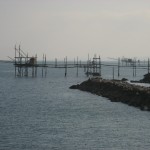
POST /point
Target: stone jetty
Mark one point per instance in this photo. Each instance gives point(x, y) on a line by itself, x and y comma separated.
point(118, 91)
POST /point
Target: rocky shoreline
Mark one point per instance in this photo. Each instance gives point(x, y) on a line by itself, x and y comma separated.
point(118, 91)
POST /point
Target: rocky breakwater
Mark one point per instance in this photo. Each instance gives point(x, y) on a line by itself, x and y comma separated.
point(118, 91)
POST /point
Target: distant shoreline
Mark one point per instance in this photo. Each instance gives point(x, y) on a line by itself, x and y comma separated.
point(118, 91)
point(6, 61)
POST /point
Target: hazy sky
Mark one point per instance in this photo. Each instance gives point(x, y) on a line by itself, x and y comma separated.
point(59, 28)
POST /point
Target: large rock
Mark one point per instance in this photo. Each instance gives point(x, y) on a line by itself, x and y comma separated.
point(146, 78)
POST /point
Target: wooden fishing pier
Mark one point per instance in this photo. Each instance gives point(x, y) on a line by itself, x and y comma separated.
point(28, 66)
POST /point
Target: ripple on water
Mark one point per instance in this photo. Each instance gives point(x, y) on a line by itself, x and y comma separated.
point(43, 113)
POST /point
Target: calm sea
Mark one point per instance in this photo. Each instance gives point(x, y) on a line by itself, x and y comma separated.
point(44, 114)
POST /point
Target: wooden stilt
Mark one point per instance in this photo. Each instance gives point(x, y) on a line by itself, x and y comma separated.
point(77, 66)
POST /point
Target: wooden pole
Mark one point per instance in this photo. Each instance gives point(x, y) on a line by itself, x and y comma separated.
point(27, 62)
point(135, 67)
point(45, 59)
point(45, 66)
point(99, 65)
point(66, 65)
point(133, 70)
point(93, 64)
point(88, 66)
point(148, 65)
point(36, 65)
point(113, 73)
point(77, 66)
point(55, 62)
point(19, 61)
point(65, 61)
point(96, 63)
point(42, 64)
point(118, 67)
point(19, 54)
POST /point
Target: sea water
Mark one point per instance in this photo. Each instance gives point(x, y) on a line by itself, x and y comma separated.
point(44, 114)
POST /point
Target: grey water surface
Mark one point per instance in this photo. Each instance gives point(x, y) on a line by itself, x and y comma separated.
point(44, 114)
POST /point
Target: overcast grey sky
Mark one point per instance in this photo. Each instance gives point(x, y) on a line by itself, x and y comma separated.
point(59, 28)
